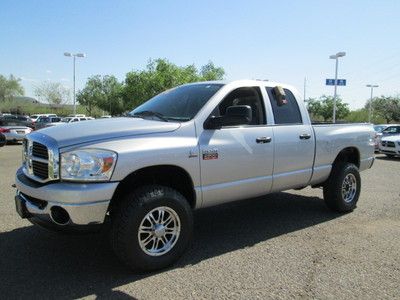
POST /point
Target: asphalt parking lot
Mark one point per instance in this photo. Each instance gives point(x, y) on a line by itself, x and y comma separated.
point(286, 245)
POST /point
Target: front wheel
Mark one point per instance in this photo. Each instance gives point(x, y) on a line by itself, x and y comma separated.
point(342, 190)
point(151, 227)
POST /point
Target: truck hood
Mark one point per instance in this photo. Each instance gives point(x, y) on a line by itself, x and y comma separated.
point(70, 134)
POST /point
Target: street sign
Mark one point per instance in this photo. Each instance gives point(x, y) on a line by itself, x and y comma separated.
point(341, 82)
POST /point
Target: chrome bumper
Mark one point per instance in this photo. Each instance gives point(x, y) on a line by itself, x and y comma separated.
point(86, 204)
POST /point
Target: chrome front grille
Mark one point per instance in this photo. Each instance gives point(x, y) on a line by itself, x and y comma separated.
point(40, 158)
point(39, 150)
point(388, 144)
point(40, 169)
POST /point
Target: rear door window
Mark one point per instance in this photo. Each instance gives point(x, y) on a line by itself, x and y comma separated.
point(288, 113)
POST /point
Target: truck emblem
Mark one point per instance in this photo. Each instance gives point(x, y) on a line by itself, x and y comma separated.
point(210, 154)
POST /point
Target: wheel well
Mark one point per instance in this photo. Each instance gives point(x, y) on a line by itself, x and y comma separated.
point(168, 175)
point(350, 155)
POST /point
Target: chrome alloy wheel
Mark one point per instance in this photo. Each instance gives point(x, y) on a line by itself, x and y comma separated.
point(349, 188)
point(159, 231)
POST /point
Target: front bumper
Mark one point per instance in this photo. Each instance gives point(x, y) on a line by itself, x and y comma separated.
point(14, 136)
point(85, 203)
point(390, 150)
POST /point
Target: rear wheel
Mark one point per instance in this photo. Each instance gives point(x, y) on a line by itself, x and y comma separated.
point(342, 190)
point(151, 227)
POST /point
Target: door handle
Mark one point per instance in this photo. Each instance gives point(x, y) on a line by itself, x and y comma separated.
point(263, 139)
point(305, 136)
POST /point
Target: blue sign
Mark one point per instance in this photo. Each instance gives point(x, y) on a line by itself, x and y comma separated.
point(341, 82)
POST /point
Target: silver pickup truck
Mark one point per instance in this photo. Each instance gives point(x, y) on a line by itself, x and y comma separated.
point(192, 146)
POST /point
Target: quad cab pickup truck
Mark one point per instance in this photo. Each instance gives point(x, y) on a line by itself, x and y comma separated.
point(190, 147)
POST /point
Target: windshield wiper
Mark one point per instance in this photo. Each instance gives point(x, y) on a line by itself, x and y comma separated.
point(149, 113)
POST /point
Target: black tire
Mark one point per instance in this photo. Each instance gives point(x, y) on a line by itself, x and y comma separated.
point(127, 217)
point(333, 195)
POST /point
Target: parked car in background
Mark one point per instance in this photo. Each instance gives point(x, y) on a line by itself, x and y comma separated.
point(73, 119)
point(3, 140)
point(391, 129)
point(390, 145)
point(43, 122)
point(15, 133)
point(16, 120)
point(378, 129)
point(34, 118)
point(77, 115)
point(105, 117)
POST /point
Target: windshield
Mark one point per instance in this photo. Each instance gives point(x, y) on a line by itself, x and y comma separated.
point(43, 120)
point(181, 103)
point(378, 128)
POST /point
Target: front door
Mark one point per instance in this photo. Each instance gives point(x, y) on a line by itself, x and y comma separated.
point(237, 162)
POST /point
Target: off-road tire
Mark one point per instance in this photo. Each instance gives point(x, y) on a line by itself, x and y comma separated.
point(333, 195)
point(127, 216)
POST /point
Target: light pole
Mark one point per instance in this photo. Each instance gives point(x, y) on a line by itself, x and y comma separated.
point(336, 57)
point(372, 86)
point(74, 56)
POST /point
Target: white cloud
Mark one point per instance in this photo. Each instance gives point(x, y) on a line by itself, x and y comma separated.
point(48, 71)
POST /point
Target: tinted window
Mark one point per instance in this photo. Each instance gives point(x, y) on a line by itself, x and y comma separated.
point(181, 103)
point(250, 96)
point(55, 120)
point(392, 129)
point(288, 113)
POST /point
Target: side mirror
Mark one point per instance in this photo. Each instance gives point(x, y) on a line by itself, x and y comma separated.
point(234, 116)
point(280, 95)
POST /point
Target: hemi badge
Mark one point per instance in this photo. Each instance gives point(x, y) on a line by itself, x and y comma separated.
point(210, 154)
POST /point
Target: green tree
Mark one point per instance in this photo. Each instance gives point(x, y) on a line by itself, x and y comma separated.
point(10, 88)
point(323, 107)
point(387, 108)
point(104, 92)
point(314, 108)
point(52, 92)
point(161, 75)
point(211, 72)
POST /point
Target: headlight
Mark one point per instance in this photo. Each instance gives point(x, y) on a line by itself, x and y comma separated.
point(88, 165)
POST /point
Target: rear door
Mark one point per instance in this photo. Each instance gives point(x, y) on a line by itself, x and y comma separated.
point(293, 143)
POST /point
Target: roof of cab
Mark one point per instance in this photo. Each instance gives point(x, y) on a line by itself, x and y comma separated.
point(245, 82)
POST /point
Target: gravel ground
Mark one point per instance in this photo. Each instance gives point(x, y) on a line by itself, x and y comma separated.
point(286, 245)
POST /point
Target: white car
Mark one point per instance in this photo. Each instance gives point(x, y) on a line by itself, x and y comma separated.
point(77, 115)
point(37, 116)
point(390, 146)
point(15, 133)
point(74, 119)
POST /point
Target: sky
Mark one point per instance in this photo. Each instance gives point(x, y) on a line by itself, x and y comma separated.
point(284, 41)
